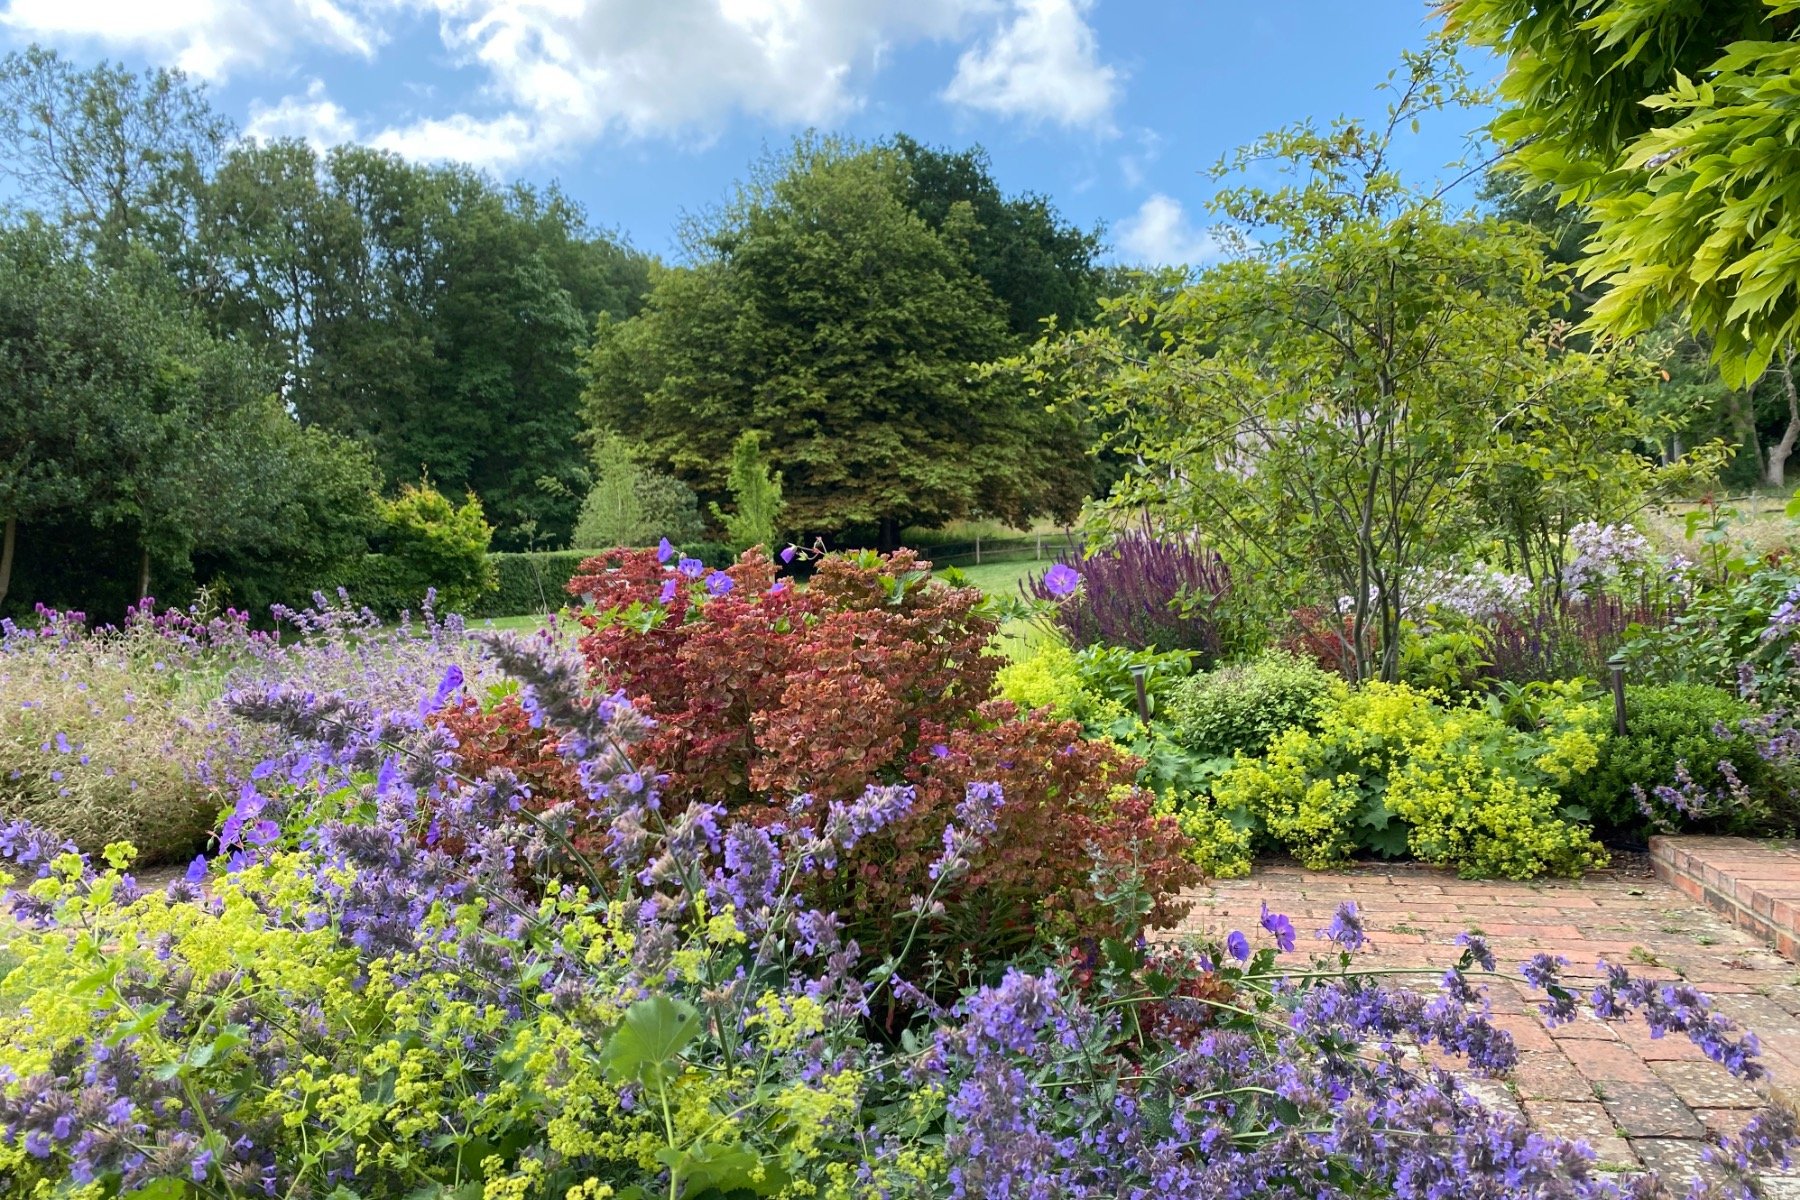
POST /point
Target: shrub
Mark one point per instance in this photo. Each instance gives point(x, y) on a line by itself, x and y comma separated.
point(1239, 709)
point(1068, 817)
point(432, 544)
point(1390, 770)
point(1670, 727)
point(1143, 591)
point(1449, 656)
point(530, 583)
point(370, 1008)
point(1094, 685)
point(1743, 633)
point(762, 692)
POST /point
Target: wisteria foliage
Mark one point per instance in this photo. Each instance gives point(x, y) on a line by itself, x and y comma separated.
point(403, 983)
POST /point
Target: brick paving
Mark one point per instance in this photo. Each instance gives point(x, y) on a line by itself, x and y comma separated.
point(1637, 1101)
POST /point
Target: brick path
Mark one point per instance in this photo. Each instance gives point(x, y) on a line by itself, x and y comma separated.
point(1635, 1100)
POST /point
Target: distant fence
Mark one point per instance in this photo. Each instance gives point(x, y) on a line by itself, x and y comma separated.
point(1030, 547)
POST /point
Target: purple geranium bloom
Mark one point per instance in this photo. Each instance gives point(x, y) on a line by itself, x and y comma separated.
point(1061, 580)
point(718, 583)
point(691, 567)
point(1238, 946)
point(665, 550)
point(1279, 926)
point(668, 590)
point(787, 556)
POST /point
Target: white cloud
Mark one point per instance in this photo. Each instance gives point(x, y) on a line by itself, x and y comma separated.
point(1043, 64)
point(580, 68)
point(314, 118)
point(207, 38)
point(1160, 234)
point(496, 142)
point(549, 75)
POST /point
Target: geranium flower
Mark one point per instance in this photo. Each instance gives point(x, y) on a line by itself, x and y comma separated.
point(1061, 580)
point(718, 583)
point(665, 550)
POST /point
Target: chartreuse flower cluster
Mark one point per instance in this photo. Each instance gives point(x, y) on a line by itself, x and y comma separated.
point(1393, 770)
point(418, 987)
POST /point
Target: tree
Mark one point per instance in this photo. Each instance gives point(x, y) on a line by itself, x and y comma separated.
point(1668, 123)
point(1033, 262)
point(1329, 407)
point(115, 156)
point(755, 496)
point(422, 309)
point(632, 505)
point(822, 311)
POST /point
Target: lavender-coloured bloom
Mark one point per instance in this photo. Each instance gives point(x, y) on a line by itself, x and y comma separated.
point(1346, 928)
point(1061, 580)
point(693, 568)
point(1237, 945)
point(1476, 947)
point(1279, 927)
point(665, 550)
point(669, 588)
point(787, 554)
point(718, 584)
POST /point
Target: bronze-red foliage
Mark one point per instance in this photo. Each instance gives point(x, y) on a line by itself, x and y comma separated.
point(769, 691)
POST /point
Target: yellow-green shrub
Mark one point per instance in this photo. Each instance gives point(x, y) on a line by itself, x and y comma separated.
point(1216, 844)
point(1395, 771)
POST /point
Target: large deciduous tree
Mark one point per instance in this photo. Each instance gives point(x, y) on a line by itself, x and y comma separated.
point(823, 312)
point(138, 449)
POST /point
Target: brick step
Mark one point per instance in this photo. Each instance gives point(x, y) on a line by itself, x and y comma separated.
point(1753, 883)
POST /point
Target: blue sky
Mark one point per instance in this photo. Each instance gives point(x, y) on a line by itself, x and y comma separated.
point(645, 109)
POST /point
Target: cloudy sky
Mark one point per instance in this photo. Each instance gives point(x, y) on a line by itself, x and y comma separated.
point(645, 109)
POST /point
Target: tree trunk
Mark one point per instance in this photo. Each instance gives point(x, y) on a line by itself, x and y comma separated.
point(143, 588)
point(888, 538)
point(9, 540)
point(1776, 475)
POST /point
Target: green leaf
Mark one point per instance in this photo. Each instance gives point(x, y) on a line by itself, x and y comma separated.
point(647, 1045)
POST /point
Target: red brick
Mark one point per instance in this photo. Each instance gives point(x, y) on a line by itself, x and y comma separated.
point(1608, 1062)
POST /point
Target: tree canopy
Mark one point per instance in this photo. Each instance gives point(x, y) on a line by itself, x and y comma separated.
point(1669, 123)
point(825, 314)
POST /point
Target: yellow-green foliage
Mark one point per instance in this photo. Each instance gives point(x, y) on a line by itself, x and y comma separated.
point(1049, 678)
point(1392, 769)
point(1218, 845)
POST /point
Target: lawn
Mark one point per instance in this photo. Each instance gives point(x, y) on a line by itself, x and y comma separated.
point(1003, 579)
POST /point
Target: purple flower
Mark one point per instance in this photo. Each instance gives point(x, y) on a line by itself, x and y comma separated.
point(693, 568)
point(787, 555)
point(1061, 580)
point(665, 550)
point(1476, 948)
point(1346, 928)
point(718, 583)
point(1238, 946)
point(669, 589)
point(1279, 926)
